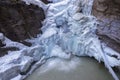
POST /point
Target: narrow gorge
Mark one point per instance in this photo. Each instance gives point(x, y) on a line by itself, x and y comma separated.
point(37, 34)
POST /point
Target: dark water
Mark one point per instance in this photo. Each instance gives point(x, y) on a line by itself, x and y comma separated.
point(82, 68)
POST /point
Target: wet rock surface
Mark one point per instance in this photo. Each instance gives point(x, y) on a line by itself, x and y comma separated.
point(19, 21)
point(108, 15)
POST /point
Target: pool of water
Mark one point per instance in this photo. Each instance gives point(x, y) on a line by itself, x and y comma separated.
point(82, 68)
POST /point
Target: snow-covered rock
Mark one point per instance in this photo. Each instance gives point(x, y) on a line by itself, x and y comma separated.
point(10, 72)
point(13, 64)
point(78, 16)
point(26, 63)
point(19, 77)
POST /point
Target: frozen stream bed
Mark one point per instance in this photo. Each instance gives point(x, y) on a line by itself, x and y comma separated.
point(82, 68)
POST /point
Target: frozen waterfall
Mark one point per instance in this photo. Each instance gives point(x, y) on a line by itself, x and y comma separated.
point(74, 31)
point(70, 26)
point(69, 29)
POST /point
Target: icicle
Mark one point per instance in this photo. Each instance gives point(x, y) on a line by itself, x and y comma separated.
point(107, 64)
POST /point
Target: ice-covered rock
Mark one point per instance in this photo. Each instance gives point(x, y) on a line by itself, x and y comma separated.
point(26, 63)
point(13, 64)
point(48, 33)
point(19, 77)
point(36, 2)
point(35, 52)
point(78, 16)
point(10, 72)
point(54, 1)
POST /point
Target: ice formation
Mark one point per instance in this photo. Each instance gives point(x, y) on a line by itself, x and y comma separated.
point(69, 29)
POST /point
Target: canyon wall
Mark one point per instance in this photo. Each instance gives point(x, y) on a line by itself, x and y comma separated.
point(108, 15)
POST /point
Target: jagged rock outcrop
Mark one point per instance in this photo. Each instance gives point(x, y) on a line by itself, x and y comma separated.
point(108, 15)
point(19, 21)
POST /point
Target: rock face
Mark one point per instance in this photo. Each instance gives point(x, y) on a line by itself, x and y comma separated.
point(19, 21)
point(108, 14)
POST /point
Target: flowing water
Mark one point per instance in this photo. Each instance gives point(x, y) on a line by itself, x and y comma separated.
point(82, 68)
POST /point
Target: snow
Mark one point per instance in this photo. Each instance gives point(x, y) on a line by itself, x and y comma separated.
point(19, 77)
point(110, 51)
point(36, 2)
point(9, 58)
point(78, 16)
point(10, 43)
point(48, 33)
point(58, 52)
point(55, 1)
point(25, 63)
